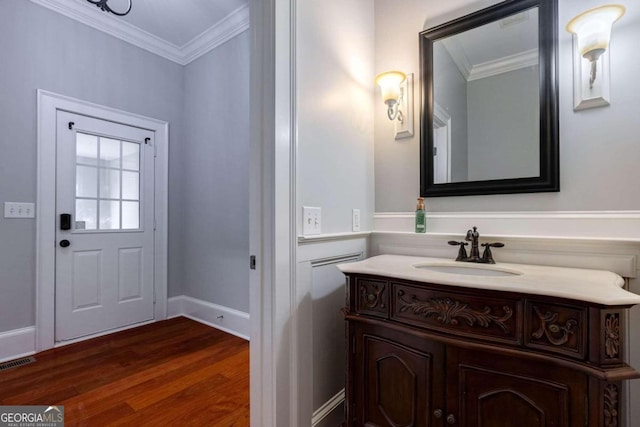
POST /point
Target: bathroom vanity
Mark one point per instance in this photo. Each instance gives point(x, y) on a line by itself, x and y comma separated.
point(433, 342)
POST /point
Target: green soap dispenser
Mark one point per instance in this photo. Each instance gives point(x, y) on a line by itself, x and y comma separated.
point(421, 219)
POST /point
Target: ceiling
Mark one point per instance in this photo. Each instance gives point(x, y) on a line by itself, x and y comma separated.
point(179, 30)
point(501, 46)
point(176, 21)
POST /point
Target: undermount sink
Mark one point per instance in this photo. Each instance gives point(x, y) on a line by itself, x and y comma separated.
point(468, 270)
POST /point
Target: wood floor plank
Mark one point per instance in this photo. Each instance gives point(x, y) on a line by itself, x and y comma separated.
point(175, 372)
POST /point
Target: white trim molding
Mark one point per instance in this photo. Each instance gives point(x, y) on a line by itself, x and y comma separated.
point(330, 406)
point(622, 225)
point(490, 68)
point(17, 343)
point(504, 65)
point(332, 236)
point(48, 104)
point(234, 322)
point(230, 26)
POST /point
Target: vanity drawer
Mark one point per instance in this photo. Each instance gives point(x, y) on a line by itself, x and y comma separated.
point(556, 328)
point(372, 297)
point(494, 319)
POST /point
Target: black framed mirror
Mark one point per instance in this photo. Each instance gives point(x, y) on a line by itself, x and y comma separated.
point(489, 118)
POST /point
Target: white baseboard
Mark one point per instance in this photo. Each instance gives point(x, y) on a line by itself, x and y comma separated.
point(174, 307)
point(322, 412)
point(578, 224)
point(226, 319)
point(17, 343)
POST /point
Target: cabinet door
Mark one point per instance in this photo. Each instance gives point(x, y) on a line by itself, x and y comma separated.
point(398, 379)
point(486, 390)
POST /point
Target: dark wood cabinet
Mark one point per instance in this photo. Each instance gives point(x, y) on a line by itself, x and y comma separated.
point(486, 389)
point(423, 354)
point(401, 378)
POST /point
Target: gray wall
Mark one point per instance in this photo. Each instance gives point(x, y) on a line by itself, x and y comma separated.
point(335, 111)
point(450, 93)
point(41, 49)
point(215, 176)
point(599, 152)
point(504, 124)
point(335, 98)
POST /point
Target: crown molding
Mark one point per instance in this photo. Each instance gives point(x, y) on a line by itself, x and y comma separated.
point(504, 65)
point(459, 56)
point(233, 24)
point(230, 26)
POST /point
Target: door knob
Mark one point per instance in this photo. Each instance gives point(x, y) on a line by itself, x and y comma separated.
point(65, 243)
point(437, 413)
point(451, 419)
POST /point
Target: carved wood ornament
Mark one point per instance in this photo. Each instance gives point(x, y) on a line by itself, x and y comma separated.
point(448, 311)
point(612, 335)
point(611, 406)
point(372, 297)
point(556, 333)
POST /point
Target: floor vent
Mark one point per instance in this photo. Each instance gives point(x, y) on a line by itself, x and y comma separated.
point(16, 363)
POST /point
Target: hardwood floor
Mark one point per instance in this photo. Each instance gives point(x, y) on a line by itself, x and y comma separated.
point(171, 373)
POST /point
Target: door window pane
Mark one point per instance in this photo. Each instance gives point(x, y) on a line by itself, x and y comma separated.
point(86, 149)
point(86, 181)
point(130, 185)
point(109, 215)
point(87, 213)
point(109, 184)
point(130, 215)
point(109, 153)
point(130, 156)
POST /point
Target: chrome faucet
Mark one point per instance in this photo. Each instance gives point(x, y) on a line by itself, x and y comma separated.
point(473, 236)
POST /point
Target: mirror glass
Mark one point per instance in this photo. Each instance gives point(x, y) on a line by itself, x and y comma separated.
point(487, 103)
point(489, 120)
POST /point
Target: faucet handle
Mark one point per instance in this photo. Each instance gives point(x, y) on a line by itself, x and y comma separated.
point(493, 245)
point(462, 253)
point(487, 256)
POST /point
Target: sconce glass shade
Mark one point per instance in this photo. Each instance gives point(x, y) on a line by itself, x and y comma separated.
point(389, 83)
point(593, 29)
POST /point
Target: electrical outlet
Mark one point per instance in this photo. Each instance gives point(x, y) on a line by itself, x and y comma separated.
point(311, 220)
point(355, 220)
point(19, 210)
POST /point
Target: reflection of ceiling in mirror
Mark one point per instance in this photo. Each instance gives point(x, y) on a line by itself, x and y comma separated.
point(498, 47)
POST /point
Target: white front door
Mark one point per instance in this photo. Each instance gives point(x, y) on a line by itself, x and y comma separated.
point(105, 226)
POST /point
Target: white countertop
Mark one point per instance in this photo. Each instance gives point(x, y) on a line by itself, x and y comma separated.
point(597, 286)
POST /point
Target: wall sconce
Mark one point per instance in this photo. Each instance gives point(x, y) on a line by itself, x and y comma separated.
point(396, 89)
point(591, 35)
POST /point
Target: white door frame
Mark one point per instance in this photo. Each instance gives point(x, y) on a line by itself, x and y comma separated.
point(441, 118)
point(48, 105)
point(273, 356)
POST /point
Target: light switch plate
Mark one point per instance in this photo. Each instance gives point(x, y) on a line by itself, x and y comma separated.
point(311, 220)
point(19, 210)
point(355, 220)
